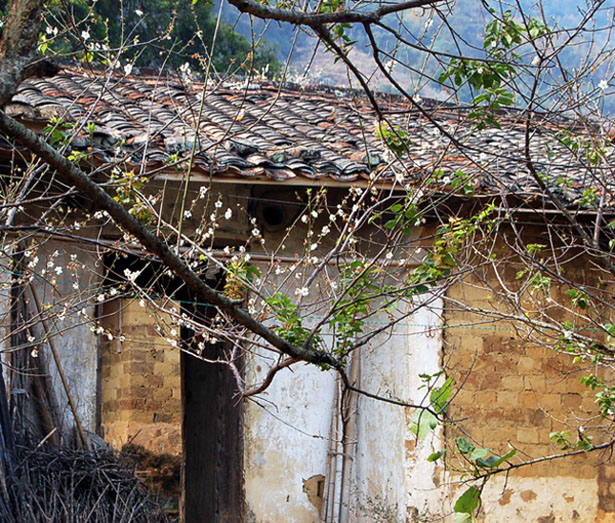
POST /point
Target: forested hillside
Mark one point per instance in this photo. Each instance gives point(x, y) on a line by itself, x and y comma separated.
point(456, 28)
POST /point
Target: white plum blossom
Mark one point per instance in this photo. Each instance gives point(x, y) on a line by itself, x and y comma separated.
point(302, 291)
point(184, 69)
point(131, 276)
point(138, 12)
point(58, 270)
point(85, 35)
point(228, 214)
point(187, 215)
point(603, 85)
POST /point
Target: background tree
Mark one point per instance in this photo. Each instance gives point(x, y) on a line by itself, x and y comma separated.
point(156, 35)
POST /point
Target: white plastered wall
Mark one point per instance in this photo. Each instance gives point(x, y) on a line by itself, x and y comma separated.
point(288, 429)
point(286, 438)
point(70, 290)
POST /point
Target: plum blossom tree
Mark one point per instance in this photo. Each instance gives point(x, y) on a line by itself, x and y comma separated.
point(528, 77)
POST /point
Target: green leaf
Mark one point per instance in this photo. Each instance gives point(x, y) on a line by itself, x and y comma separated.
point(468, 502)
point(495, 461)
point(478, 454)
point(436, 456)
point(440, 395)
point(464, 446)
point(422, 423)
point(250, 269)
point(463, 517)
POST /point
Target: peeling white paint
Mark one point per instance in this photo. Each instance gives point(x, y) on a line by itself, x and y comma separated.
point(425, 496)
point(288, 429)
point(555, 499)
point(286, 442)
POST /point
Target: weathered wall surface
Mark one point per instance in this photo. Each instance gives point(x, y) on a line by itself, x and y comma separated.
point(141, 382)
point(74, 338)
point(514, 393)
point(392, 476)
point(64, 274)
point(287, 443)
point(286, 434)
point(293, 433)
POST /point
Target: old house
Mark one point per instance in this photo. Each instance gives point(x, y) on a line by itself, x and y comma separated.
point(287, 454)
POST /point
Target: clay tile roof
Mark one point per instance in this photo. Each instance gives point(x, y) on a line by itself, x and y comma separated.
point(288, 133)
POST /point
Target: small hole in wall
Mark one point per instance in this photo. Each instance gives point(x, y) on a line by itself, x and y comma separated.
point(273, 215)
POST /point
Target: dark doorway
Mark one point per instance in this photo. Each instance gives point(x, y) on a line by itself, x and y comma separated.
point(212, 479)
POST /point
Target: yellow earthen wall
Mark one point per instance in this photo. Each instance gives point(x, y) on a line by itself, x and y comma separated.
point(511, 391)
point(141, 381)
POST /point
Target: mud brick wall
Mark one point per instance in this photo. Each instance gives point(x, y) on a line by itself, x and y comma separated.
point(512, 391)
point(141, 382)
